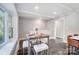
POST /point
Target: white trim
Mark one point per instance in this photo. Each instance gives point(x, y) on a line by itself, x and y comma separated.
point(5, 29)
point(6, 37)
point(55, 27)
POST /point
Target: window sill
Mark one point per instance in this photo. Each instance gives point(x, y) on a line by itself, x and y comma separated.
point(8, 48)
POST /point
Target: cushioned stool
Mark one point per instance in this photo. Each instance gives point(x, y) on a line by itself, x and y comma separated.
point(40, 47)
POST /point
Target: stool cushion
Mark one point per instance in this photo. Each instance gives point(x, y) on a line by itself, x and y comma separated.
point(40, 47)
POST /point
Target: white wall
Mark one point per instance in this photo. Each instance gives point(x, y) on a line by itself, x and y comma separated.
point(51, 27)
point(56, 28)
point(71, 24)
point(15, 27)
point(28, 24)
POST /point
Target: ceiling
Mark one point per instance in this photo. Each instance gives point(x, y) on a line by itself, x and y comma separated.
point(10, 7)
point(46, 10)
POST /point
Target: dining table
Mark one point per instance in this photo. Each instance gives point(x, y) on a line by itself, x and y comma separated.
point(73, 41)
point(36, 37)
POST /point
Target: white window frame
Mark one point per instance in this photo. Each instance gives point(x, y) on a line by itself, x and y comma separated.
point(6, 38)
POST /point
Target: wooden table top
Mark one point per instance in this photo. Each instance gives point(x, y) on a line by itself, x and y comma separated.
point(75, 37)
point(38, 36)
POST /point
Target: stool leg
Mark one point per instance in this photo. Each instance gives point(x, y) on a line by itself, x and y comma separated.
point(36, 53)
point(23, 51)
point(48, 51)
point(45, 52)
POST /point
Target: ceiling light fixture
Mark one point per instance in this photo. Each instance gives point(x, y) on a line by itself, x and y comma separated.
point(36, 8)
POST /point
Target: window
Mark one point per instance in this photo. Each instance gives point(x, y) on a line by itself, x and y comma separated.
point(1, 26)
point(6, 28)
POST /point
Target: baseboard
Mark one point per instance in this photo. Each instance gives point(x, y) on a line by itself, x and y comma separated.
point(59, 37)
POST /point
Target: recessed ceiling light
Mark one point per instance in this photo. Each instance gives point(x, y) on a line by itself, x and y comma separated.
point(54, 12)
point(36, 7)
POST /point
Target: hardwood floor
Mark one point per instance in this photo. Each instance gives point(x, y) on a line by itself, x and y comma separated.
point(56, 48)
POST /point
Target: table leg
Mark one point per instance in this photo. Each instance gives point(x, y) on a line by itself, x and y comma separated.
point(48, 46)
point(29, 49)
point(72, 49)
point(68, 49)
